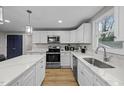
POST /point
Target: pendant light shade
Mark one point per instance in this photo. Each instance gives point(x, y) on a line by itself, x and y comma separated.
point(29, 27)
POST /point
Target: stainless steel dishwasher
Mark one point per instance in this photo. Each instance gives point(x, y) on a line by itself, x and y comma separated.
point(75, 60)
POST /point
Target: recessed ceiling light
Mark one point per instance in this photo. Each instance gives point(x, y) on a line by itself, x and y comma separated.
point(59, 21)
point(7, 21)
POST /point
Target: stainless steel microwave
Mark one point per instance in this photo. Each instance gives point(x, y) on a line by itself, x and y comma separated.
point(53, 39)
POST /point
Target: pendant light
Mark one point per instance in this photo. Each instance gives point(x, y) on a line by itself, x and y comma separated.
point(29, 27)
point(2, 20)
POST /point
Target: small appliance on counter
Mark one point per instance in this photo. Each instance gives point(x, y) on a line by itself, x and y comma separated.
point(67, 48)
point(72, 48)
point(83, 50)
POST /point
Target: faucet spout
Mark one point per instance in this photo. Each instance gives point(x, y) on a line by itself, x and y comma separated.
point(105, 53)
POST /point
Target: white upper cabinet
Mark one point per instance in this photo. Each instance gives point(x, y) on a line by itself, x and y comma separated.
point(87, 33)
point(83, 34)
point(80, 34)
point(119, 23)
point(64, 36)
point(72, 36)
point(41, 36)
point(36, 37)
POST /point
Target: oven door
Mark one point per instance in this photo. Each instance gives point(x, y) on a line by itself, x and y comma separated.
point(53, 61)
point(53, 58)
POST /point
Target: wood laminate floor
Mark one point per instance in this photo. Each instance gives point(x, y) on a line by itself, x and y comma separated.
point(59, 77)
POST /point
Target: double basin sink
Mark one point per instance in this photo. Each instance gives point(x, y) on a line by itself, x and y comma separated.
point(97, 63)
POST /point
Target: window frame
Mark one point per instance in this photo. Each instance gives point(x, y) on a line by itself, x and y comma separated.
point(96, 34)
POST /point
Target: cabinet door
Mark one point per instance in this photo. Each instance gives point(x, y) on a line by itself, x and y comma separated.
point(82, 79)
point(71, 60)
point(17, 82)
point(99, 82)
point(64, 36)
point(87, 33)
point(36, 38)
point(79, 34)
point(43, 35)
point(40, 72)
point(29, 78)
point(73, 36)
point(65, 59)
point(85, 76)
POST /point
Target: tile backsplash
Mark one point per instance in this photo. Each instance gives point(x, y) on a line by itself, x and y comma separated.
point(45, 46)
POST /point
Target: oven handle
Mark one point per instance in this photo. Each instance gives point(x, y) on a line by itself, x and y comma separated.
point(52, 53)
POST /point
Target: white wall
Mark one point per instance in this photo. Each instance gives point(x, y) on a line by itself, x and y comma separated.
point(2, 43)
point(27, 42)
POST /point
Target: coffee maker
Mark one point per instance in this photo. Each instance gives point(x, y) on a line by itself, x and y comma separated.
point(83, 50)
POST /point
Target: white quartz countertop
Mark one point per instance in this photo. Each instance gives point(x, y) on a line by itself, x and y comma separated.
point(113, 76)
point(35, 51)
point(13, 68)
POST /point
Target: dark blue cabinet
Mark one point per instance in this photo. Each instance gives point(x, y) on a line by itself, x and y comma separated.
point(14, 45)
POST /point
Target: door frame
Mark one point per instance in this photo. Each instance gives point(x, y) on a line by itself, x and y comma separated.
point(23, 43)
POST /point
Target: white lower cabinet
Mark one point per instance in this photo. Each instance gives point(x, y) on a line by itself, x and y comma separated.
point(33, 76)
point(16, 82)
point(71, 60)
point(29, 77)
point(26, 79)
point(40, 71)
point(87, 77)
point(99, 82)
point(65, 59)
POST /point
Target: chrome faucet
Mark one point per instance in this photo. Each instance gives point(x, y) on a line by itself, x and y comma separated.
point(105, 58)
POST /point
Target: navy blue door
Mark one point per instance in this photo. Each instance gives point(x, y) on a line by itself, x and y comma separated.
point(14, 46)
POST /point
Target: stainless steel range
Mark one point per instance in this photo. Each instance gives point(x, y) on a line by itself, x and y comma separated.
point(53, 58)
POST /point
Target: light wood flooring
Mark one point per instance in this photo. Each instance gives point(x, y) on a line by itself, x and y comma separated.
point(59, 77)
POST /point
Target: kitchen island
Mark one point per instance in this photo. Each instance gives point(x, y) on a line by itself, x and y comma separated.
point(25, 70)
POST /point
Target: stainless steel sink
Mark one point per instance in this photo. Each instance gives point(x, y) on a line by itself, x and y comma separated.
point(97, 63)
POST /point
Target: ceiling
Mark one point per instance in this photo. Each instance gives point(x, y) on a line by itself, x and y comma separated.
point(46, 17)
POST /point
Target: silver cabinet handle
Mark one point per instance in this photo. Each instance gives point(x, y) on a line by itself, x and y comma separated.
point(41, 67)
point(41, 62)
point(82, 72)
point(13, 48)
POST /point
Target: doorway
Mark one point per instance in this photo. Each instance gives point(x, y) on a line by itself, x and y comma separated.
point(14, 46)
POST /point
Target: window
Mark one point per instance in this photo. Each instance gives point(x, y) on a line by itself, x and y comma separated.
point(105, 28)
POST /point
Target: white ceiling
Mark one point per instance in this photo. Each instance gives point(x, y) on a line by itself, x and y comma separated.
point(46, 16)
